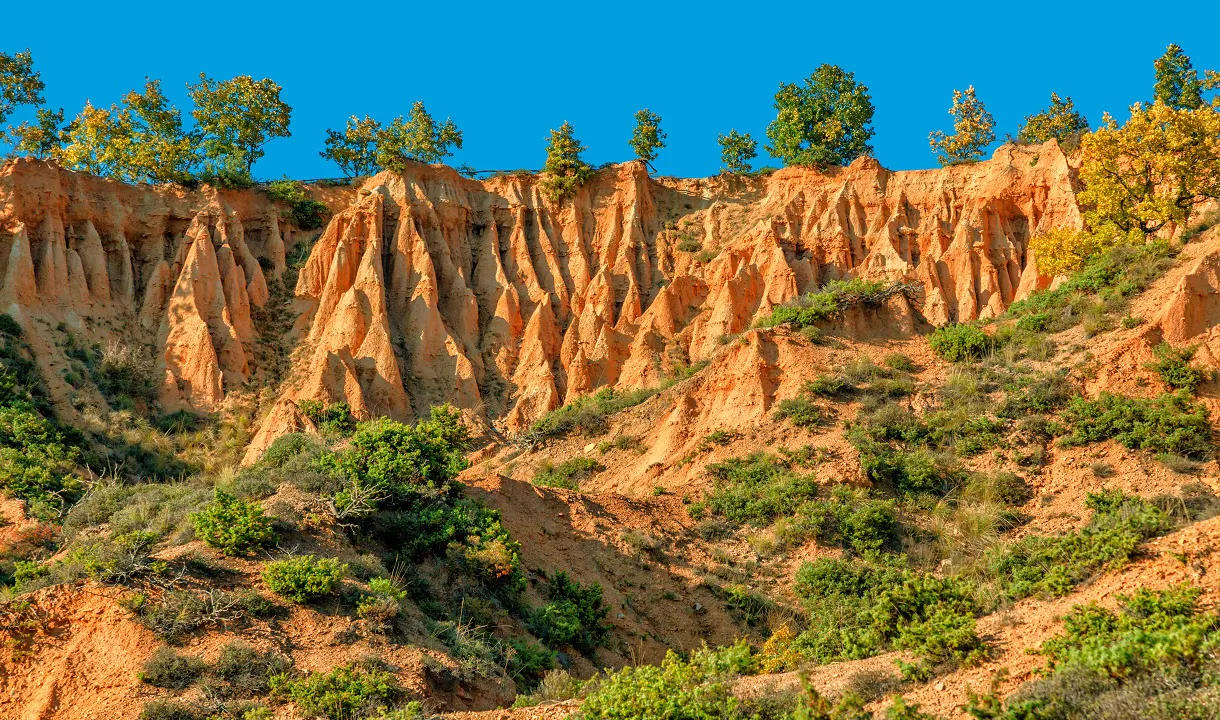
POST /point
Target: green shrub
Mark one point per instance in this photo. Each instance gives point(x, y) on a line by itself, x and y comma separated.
point(528, 663)
point(959, 343)
point(568, 474)
point(287, 447)
point(306, 213)
point(899, 362)
point(381, 604)
point(757, 489)
point(849, 518)
point(359, 690)
point(829, 386)
point(574, 615)
point(170, 710)
point(334, 418)
point(233, 526)
point(800, 411)
point(673, 690)
point(829, 301)
point(247, 670)
point(1173, 366)
point(1169, 423)
point(585, 415)
point(1041, 565)
point(168, 669)
point(304, 578)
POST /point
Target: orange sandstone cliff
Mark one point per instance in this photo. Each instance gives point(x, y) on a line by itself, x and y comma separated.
point(429, 287)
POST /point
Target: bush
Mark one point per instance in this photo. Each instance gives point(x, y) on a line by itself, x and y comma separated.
point(1169, 423)
point(335, 417)
point(959, 343)
point(304, 578)
point(800, 411)
point(671, 691)
point(849, 518)
point(900, 362)
point(168, 669)
point(287, 447)
point(1040, 565)
point(568, 474)
point(170, 710)
point(306, 213)
point(574, 616)
point(1173, 366)
point(247, 670)
point(586, 415)
point(233, 526)
point(348, 691)
point(757, 489)
point(829, 301)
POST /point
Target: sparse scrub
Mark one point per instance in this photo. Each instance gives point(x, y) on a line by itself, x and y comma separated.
point(168, 669)
point(357, 690)
point(1169, 423)
point(1173, 366)
point(832, 299)
point(567, 474)
point(587, 415)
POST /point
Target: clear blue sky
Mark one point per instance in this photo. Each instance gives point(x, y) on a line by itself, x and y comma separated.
point(507, 72)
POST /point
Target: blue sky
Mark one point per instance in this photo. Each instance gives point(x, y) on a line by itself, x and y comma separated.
point(508, 72)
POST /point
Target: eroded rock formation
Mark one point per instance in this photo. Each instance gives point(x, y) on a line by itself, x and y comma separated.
point(428, 287)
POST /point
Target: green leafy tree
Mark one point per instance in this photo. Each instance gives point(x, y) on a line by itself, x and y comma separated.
point(973, 126)
point(823, 123)
point(1178, 85)
point(418, 138)
point(140, 140)
point(20, 84)
point(354, 149)
point(42, 138)
point(565, 170)
point(648, 137)
point(236, 119)
point(156, 148)
point(736, 152)
point(1060, 122)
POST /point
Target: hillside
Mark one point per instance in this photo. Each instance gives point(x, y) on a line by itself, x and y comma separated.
point(682, 410)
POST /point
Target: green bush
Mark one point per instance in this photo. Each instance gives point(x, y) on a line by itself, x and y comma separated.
point(1041, 565)
point(1173, 366)
point(247, 670)
point(757, 489)
point(335, 418)
point(306, 213)
point(849, 518)
point(304, 578)
point(800, 411)
point(900, 362)
point(673, 690)
point(349, 691)
point(573, 616)
point(287, 447)
point(233, 526)
point(1152, 659)
point(168, 669)
point(585, 415)
point(959, 343)
point(567, 474)
point(170, 710)
point(813, 308)
point(1169, 423)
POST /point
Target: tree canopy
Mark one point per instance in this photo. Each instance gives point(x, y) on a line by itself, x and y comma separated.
point(1060, 121)
point(235, 119)
point(354, 149)
point(973, 126)
point(418, 138)
point(736, 152)
point(564, 170)
point(20, 83)
point(824, 122)
point(1178, 85)
point(648, 137)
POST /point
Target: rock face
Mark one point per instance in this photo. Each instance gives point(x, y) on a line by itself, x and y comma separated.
point(428, 287)
point(181, 271)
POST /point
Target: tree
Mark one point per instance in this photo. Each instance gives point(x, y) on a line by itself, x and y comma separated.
point(156, 148)
point(20, 84)
point(418, 138)
point(354, 149)
point(974, 130)
point(236, 118)
point(564, 169)
point(1059, 122)
point(42, 139)
point(89, 141)
point(648, 137)
point(823, 123)
point(1178, 85)
point(736, 152)
point(1152, 171)
point(141, 140)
